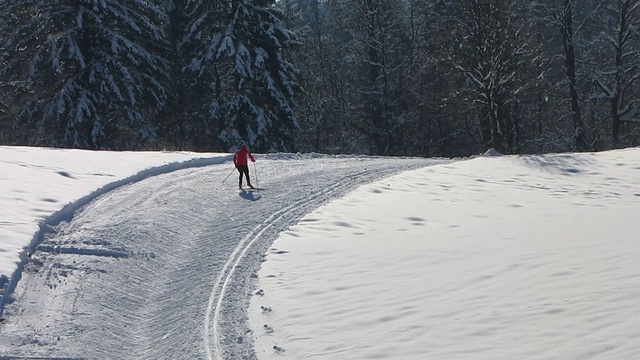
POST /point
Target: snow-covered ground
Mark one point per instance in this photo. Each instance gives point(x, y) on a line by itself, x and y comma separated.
point(532, 257)
point(41, 185)
point(151, 264)
point(529, 257)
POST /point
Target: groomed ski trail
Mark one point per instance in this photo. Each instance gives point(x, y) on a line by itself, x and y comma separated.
point(212, 324)
point(188, 249)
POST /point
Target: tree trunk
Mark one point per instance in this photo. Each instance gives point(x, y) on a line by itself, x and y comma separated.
point(570, 64)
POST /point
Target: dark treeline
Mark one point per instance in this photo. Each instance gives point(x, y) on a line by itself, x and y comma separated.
point(386, 77)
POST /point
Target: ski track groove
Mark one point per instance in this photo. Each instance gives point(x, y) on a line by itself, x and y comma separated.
point(213, 344)
point(128, 317)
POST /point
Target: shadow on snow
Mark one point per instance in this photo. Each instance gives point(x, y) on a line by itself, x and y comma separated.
point(248, 195)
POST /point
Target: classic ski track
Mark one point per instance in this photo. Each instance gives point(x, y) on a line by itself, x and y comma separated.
point(213, 346)
point(215, 329)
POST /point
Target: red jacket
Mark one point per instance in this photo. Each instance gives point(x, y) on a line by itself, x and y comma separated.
point(240, 157)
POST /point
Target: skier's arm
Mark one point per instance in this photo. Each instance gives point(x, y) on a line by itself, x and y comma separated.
point(251, 157)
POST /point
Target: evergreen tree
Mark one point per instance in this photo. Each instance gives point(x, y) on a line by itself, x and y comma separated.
point(374, 39)
point(323, 125)
point(92, 66)
point(191, 26)
point(256, 84)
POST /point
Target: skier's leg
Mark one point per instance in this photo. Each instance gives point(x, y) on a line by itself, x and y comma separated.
point(248, 178)
point(239, 177)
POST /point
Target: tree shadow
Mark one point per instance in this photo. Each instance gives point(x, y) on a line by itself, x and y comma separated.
point(249, 195)
point(567, 164)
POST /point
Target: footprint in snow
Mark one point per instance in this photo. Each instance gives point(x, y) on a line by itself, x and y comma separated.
point(278, 349)
point(277, 251)
point(267, 329)
point(260, 292)
point(265, 309)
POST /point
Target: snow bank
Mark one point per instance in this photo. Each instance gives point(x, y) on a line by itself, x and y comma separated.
point(43, 186)
point(530, 257)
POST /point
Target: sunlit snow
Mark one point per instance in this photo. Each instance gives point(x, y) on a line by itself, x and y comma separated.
point(532, 257)
point(150, 255)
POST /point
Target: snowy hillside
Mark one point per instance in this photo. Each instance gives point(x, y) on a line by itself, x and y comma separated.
point(529, 257)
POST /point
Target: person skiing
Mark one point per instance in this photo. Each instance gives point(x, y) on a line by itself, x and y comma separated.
point(240, 161)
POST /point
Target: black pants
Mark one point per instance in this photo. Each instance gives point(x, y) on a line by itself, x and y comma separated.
point(243, 169)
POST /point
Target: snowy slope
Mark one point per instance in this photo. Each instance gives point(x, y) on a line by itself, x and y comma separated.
point(42, 186)
point(526, 257)
point(518, 257)
point(163, 267)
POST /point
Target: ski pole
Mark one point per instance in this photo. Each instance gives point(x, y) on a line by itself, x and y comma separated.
point(225, 179)
point(256, 173)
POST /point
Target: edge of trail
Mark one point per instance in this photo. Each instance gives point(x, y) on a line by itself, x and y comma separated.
point(225, 323)
point(165, 266)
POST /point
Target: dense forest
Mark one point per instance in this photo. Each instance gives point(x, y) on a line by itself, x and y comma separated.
point(383, 77)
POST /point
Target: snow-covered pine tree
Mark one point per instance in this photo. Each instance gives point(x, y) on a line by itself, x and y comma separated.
point(172, 121)
point(256, 84)
point(4, 91)
point(322, 125)
point(92, 65)
point(194, 82)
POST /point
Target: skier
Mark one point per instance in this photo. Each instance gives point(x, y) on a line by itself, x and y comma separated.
point(240, 161)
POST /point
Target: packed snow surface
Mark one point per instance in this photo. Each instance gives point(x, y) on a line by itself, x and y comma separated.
point(530, 257)
point(159, 264)
point(153, 256)
point(42, 186)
